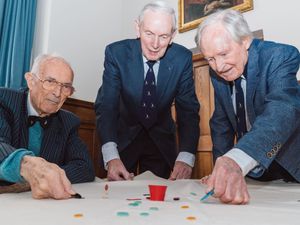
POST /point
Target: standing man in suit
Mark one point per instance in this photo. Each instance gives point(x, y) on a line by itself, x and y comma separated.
point(39, 142)
point(257, 100)
point(142, 78)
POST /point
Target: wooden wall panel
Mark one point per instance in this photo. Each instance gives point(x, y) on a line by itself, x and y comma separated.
point(204, 91)
point(203, 164)
point(87, 130)
point(205, 94)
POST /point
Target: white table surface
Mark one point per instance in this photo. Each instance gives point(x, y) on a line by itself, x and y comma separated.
point(271, 203)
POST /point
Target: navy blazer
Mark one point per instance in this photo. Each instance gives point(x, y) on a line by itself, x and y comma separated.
point(119, 97)
point(273, 108)
point(60, 144)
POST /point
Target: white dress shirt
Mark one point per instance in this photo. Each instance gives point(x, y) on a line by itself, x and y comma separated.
point(246, 162)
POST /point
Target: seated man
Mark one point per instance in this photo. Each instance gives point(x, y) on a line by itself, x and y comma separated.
point(257, 100)
point(39, 142)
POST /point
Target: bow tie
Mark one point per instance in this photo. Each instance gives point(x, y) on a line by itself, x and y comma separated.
point(44, 121)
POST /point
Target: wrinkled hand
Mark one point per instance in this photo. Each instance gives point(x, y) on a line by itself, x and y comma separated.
point(181, 170)
point(117, 171)
point(228, 182)
point(47, 180)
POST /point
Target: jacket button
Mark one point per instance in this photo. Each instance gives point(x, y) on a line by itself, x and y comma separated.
point(273, 151)
point(269, 155)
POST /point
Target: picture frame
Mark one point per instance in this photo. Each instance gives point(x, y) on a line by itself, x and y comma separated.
point(192, 12)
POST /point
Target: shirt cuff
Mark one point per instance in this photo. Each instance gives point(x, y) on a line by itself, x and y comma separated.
point(187, 158)
point(109, 152)
point(246, 162)
point(10, 167)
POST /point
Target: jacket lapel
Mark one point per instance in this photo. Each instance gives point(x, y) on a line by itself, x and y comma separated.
point(223, 90)
point(252, 80)
point(136, 71)
point(24, 126)
point(163, 77)
point(51, 140)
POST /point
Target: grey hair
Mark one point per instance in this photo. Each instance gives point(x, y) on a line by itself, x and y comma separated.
point(159, 6)
point(233, 22)
point(43, 58)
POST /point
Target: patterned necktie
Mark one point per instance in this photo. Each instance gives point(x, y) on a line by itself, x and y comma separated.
point(148, 110)
point(240, 109)
point(44, 121)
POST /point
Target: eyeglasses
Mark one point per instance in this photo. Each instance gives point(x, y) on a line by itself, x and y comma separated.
point(51, 84)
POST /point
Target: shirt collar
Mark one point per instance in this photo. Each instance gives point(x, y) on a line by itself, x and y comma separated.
point(245, 71)
point(145, 60)
point(31, 111)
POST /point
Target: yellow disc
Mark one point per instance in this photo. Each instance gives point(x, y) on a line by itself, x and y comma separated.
point(191, 218)
point(78, 215)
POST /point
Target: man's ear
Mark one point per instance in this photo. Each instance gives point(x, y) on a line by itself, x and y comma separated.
point(137, 28)
point(246, 42)
point(173, 36)
point(29, 79)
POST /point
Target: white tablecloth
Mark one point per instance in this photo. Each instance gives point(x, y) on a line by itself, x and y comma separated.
point(271, 203)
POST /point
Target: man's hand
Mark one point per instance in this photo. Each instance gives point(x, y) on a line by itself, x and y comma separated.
point(117, 171)
point(181, 170)
point(47, 180)
point(228, 182)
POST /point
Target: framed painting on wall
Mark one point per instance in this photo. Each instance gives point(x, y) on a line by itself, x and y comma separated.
point(192, 12)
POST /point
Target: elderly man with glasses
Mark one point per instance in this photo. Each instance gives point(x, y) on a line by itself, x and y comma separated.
point(39, 142)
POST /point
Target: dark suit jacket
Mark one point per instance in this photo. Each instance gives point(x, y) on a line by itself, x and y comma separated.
point(60, 144)
point(119, 98)
point(273, 107)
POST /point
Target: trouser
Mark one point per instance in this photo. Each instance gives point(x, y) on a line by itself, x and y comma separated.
point(142, 155)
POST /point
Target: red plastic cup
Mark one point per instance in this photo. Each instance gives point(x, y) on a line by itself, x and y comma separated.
point(157, 192)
